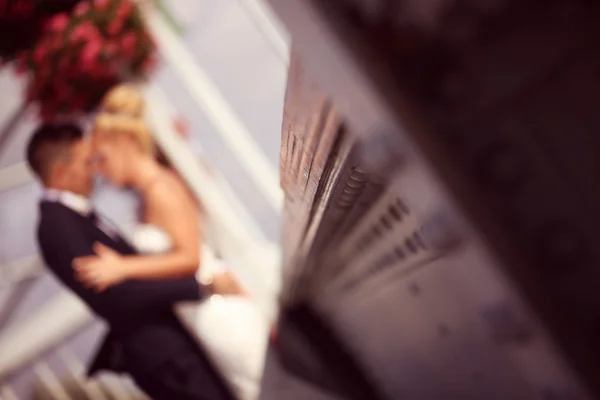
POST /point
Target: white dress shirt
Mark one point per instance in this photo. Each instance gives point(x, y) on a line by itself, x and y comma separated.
point(78, 203)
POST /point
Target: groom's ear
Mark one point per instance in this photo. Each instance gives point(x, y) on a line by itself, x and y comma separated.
point(58, 171)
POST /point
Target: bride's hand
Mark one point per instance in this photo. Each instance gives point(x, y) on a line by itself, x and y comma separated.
point(226, 284)
point(101, 271)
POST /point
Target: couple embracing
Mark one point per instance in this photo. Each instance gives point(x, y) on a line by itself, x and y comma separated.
point(133, 284)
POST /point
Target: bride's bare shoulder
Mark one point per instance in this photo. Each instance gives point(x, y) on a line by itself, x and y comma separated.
point(171, 207)
point(169, 188)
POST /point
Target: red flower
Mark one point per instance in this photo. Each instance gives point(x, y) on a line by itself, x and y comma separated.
point(59, 22)
point(115, 26)
point(39, 53)
point(125, 9)
point(84, 32)
point(84, 54)
point(55, 43)
point(101, 4)
point(89, 54)
point(128, 43)
point(81, 8)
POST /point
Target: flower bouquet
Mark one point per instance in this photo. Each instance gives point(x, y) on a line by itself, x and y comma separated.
point(21, 23)
point(83, 54)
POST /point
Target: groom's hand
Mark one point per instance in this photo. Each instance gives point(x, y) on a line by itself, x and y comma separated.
point(100, 271)
point(226, 284)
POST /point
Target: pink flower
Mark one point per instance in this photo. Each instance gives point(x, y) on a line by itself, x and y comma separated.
point(181, 126)
point(115, 26)
point(81, 8)
point(128, 43)
point(100, 4)
point(59, 22)
point(125, 9)
point(89, 54)
point(84, 31)
point(39, 53)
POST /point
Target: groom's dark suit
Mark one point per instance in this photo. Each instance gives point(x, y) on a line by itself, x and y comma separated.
point(146, 338)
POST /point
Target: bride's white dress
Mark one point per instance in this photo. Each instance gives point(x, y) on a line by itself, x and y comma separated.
point(231, 329)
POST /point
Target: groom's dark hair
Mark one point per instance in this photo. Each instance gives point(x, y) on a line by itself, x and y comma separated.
point(50, 143)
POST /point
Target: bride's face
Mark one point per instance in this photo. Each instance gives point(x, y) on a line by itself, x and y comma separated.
point(112, 160)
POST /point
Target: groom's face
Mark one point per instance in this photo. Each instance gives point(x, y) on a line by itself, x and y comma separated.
point(77, 174)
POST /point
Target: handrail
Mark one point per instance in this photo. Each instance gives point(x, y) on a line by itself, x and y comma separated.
point(217, 111)
point(270, 27)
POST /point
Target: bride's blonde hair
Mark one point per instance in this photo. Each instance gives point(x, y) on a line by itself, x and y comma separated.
point(122, 114)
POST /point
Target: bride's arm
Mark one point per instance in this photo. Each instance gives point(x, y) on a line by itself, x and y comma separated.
point(172, 207)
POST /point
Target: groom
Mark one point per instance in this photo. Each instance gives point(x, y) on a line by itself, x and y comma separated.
point(146, 339)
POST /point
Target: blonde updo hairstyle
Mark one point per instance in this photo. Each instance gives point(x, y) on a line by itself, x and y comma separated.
point(122, 114)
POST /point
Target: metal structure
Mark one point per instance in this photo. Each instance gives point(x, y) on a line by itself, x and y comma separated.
point(439, 164)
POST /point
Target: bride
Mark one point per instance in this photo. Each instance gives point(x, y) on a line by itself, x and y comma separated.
point(169, 241)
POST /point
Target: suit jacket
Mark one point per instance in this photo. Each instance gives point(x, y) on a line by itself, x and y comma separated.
point(144, 331)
